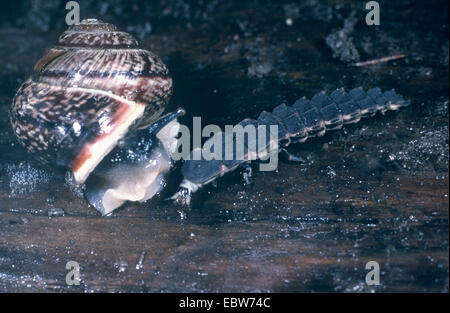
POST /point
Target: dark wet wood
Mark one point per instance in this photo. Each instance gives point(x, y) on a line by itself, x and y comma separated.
point(372, 192)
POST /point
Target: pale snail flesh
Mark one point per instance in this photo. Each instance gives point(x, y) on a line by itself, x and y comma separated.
point(94, 104)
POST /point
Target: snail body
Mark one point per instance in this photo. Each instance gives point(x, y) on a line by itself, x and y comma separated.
point(89, 92)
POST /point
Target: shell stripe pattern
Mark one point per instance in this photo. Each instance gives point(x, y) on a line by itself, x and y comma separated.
point(87, 90)
point(296, 123)
point(95, 33)
point(53, 128)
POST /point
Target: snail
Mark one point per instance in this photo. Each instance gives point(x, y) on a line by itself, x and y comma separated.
point(94, 105)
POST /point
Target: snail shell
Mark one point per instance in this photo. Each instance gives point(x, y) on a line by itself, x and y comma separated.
point(86, 93)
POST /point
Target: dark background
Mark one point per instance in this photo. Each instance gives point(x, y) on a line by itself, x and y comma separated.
point(377, 190)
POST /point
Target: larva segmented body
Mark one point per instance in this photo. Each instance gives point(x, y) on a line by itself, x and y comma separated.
point(296, 123)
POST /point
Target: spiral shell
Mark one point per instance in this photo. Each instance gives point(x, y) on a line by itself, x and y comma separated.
point(86, 93)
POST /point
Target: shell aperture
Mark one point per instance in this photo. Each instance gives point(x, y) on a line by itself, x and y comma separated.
point(134, 170)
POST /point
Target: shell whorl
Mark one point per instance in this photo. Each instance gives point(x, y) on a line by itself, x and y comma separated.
point(92, 86)
point(95, 33)
point(94, 55)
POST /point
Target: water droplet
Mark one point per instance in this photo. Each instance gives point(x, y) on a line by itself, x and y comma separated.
point(55, 212)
